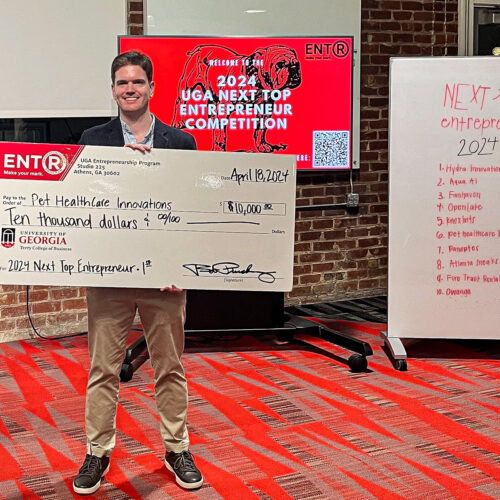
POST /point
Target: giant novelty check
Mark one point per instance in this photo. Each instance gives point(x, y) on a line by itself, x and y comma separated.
point(104, 216)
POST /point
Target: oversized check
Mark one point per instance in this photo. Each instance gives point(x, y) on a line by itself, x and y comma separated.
point(107, 216)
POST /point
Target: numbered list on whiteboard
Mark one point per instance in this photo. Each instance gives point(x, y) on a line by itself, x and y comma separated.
point(467, 190)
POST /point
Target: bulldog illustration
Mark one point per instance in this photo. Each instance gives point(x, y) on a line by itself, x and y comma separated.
point(273, 68)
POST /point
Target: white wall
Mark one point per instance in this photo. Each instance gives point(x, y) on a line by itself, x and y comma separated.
point(56, 56)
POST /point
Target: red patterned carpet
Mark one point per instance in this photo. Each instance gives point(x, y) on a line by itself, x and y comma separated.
point(266, 422)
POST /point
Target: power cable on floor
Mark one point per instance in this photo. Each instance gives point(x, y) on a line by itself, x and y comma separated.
point(34, 328)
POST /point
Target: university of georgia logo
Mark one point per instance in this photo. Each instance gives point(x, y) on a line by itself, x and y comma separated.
point(8, 237)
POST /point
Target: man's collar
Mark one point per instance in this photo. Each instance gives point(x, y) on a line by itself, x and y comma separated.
point(129, 136)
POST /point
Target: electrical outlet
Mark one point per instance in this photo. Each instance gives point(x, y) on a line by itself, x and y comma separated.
point(352, 200)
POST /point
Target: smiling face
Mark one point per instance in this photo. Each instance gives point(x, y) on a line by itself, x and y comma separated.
point(132, 90)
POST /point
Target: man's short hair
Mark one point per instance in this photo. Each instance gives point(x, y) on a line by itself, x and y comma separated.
point(132, 58)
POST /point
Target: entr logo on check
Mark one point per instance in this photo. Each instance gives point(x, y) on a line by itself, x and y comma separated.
point(53, 162)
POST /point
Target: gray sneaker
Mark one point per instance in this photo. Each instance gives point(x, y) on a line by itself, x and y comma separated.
point(90, 474)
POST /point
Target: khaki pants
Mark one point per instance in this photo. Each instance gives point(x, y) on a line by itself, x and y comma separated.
point(111, 312)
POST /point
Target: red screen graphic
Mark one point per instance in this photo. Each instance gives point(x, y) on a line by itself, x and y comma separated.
point(269, 95)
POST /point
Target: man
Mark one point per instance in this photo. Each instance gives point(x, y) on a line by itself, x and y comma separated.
point(111, 311)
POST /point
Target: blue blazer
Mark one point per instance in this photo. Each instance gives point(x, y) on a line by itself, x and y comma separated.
point(110, 134)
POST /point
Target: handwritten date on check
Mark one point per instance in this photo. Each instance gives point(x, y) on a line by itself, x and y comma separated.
point(104, 216)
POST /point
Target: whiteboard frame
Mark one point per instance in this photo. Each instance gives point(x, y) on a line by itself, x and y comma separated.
point(458, 319)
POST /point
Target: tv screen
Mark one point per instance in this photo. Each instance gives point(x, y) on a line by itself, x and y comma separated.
point(267, 95)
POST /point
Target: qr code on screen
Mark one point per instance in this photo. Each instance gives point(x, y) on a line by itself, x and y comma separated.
point(331, 148)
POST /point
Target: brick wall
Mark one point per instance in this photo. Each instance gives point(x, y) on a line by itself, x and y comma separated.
point(135, 18)
point(337, 255)
point(54, 311)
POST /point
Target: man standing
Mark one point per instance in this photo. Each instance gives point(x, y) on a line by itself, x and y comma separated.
point(111, 311)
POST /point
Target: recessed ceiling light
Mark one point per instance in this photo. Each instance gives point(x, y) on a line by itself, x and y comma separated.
point(255, 11)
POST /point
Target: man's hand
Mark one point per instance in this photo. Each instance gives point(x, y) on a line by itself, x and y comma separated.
point(140, 147)
point(171, 289)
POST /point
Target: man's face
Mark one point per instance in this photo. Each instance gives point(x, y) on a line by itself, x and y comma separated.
point(132, 90)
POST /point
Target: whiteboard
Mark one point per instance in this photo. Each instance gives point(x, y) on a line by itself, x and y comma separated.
point(56, 56)
point(263, 18)
point(444, 185)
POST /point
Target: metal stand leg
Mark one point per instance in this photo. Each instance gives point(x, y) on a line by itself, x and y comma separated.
point(357, 362)
point(135, 356)
point(137, 353)
point(397, 350)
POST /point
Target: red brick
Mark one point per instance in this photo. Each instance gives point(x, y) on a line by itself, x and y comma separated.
point(343, 265)
point(79, 303)
point(322, 246)
point(347, 286)
point(373, 231)
point(136, 30)
point(135, 18)
point(357, 232)
point(309, 279)
point(368, 242)
point(358, 273)
point(332, 256)
point(45, 307)
point(324, 289)
point(310, 257)
point(302, 202)
point(63, 293)
point(63, 318)
point(389, 26)
point(37, 295)
point(378, 38)
point(322, 267)
point(24, 324)
point(135, 6)
point(305, 246)
point(390, 5)
point(322, 224)
point(300, 291)
point(309, 236)
point(345, 244)
point(380, 14)
point(365, 284)
point(367, 264)
point(12, 311)
point(323, 200)
point(301, 269)
point(416, 6)
point(358, 254)
point(10, 288)
point(338, 234)
point(8, 298)
point(402, 16)
point(303, 225)
point(309, 192)
point(7, 325)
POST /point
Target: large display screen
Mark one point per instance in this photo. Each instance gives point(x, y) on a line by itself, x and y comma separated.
point(267, 95)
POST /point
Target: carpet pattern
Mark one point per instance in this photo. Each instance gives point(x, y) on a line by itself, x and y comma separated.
point(266, 422)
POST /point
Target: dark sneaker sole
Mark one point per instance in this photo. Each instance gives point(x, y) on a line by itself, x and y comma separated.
point(92, 489)
point(180, 482)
